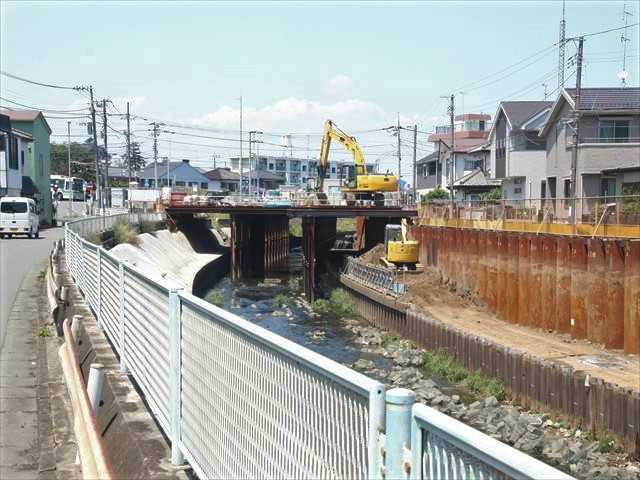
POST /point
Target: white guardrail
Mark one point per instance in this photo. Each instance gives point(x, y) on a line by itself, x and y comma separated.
point(238, 401)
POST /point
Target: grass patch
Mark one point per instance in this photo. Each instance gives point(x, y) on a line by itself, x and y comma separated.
point(294, 284)
point(95, 238)
point(340, 302)
point(443, 365)
point(606, 443)
point(344, 225)
point(44, 331)
point(147, 226)
point(281, 300)
point(338, 305)
point(321, 306)
point(124, 233)
point(485, 386)
point(295, 227)
point(389, 338)
point(215, 297)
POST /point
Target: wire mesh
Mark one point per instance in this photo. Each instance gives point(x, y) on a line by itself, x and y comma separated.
point(378, 278)
point(146, 337)
point(251, 411)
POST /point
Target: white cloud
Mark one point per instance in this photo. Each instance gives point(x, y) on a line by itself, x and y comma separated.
point(339, 84)
point(297, 114)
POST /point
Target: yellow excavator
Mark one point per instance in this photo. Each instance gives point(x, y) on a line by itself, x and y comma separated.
point(361, 184)
point(398, 250)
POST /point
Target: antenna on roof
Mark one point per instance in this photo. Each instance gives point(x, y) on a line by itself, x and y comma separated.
point(623, 74)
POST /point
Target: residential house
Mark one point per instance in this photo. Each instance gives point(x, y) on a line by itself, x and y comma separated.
point(223, 180)
point(120, 175)
point(518, 155)
point(37, 165)
point(608, 153)
point(470, 152)
point(13, 154)
point(472, 185)
point(174, 174)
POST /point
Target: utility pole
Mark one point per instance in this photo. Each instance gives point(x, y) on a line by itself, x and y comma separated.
point(241, 172)
point(622, 75)
point(452, 160)
point(415, 153)
point(69, 160)
point(155, 133)
point(98, 193)
point(128, 145)
point(576, 131)
point(106, 153)
point(399, 153)
point(252, 135)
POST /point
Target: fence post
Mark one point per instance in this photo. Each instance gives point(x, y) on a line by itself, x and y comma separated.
point(99, 294)
point(94, 386)
point(175, 377)
point(121, 322)
point(399, 402)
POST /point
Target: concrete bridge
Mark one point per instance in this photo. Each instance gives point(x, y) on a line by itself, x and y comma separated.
point(260, 235)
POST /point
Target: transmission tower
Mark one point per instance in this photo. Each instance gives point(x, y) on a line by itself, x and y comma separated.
point(561, 48)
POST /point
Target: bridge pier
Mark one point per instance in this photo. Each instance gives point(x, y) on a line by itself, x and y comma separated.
point(259, 244)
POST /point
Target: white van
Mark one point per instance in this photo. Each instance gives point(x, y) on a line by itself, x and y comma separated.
point(19, 216)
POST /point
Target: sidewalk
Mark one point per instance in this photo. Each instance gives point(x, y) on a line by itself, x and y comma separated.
point(30, 447)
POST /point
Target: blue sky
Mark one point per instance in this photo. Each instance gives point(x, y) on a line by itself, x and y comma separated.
point(189, 62)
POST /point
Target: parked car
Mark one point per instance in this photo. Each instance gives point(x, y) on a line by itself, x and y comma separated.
point(19, 216)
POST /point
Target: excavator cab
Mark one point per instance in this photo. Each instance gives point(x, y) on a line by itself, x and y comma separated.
point(398, 250)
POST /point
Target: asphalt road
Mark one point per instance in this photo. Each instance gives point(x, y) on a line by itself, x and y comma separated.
point(17, 256)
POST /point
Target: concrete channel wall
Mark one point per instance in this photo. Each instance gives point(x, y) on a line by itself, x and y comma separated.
point(533, 383)
point(586, 287)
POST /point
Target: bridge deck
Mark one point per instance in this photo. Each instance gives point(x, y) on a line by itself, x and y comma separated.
point(312, 211)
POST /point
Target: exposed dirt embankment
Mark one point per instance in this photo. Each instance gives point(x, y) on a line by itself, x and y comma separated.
point(444, 301)
point(175, 257)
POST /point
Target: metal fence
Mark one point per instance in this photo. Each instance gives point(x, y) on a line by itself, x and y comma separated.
point(378, 278)
point(238, 401)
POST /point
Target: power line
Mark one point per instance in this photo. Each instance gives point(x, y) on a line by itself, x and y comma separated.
point(41, 108)
point(22, 79)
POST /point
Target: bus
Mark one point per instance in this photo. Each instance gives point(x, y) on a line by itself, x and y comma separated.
point(67, 186)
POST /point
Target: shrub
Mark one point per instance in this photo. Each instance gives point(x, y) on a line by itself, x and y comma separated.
point(147, 226)
point(495, 194)
point(340, 303)
point(294, 284)
point(437, 193)
point(295, 227)
point(215, 297)
point(123, 233)
point(606, 443)
point(280, 300)
point(389, 338)
point(95, 238)
point(321, 306)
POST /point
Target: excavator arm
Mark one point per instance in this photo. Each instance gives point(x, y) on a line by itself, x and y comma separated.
point(331, 132)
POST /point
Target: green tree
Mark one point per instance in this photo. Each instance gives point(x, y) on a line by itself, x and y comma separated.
point(495, 194)
point(437, 193)
point(137, 160)
point(82, 160)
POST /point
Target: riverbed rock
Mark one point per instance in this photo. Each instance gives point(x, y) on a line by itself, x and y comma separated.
point(364, 365)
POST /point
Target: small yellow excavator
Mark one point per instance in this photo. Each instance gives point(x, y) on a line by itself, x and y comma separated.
point(363, 185)
point(400, 252)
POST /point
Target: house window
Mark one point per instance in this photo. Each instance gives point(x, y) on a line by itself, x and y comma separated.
point(271, 166)
point(431, 168)
point(613, 131)
point(179, 184)
point(517, 190)
point(543, 189)
point(481, 126)
point(13, 153)
point(567, 188)
point(333, 169)
point(40, 164)
point(470, 164)
point(22, 158)
point(204, 185)
point(608, 188)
